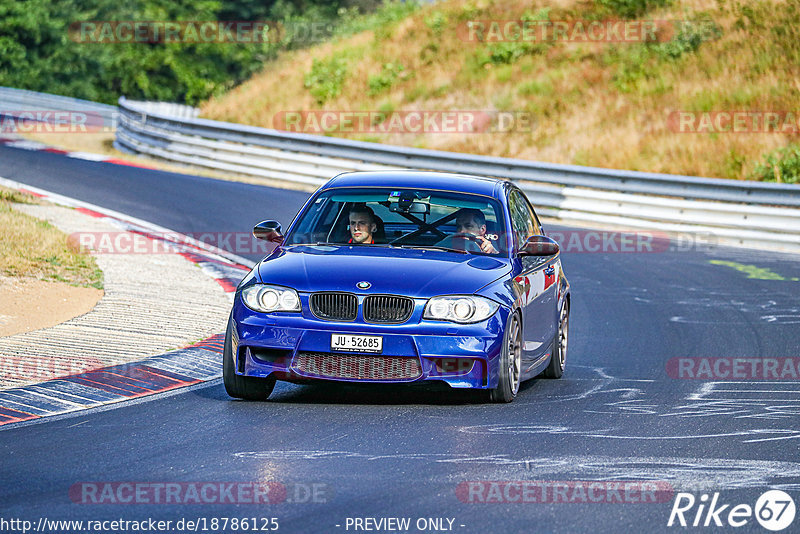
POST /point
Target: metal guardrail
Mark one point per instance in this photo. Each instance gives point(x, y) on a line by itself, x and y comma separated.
point(142, 135)
point(15, 102)
point(179, 111)
point(752, 214)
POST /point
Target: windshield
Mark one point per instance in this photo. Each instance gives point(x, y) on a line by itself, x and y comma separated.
point(412, 218)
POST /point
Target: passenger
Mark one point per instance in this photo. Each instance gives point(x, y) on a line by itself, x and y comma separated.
point(362, 225)
point(470, 222)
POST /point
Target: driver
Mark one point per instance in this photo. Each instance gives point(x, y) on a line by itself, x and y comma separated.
point(362, 225)
point(472, 222)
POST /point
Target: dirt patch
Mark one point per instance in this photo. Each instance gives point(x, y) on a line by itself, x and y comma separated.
point(28, 304)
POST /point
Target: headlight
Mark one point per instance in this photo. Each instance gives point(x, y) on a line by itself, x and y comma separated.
point(460, 309)
point(264, 298)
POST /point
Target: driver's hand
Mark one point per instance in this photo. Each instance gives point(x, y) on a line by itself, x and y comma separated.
point(486, 245)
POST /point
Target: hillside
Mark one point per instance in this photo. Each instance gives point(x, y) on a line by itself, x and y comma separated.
point(631, 103)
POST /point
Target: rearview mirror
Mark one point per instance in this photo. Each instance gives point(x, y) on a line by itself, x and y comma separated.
point(268, 231)
point(419, 208)
point(539, 245)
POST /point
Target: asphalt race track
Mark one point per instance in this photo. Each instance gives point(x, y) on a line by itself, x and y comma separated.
point(621, 412)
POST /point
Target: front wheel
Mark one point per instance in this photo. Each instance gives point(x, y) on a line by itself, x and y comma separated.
point(510, 363)
point(242, 387)
point(559, 359)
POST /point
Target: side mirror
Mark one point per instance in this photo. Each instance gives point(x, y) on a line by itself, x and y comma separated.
point(268, 231)
point(539, 245)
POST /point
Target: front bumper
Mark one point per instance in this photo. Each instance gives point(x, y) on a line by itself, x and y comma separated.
point(279, 345)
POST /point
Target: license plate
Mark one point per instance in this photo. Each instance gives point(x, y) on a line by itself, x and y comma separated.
point(353, 343)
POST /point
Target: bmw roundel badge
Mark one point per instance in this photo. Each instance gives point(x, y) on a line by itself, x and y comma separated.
point(363, 285)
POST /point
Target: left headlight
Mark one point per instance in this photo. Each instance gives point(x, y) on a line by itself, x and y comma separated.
point(460, 309)
point(265, 298)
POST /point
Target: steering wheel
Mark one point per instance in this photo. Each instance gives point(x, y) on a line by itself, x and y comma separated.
point(471, 237)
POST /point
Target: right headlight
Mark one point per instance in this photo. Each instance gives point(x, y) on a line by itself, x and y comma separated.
point(460, 309)
point(268, 299)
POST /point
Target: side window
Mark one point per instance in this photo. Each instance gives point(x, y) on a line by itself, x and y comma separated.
point(537, 230)
point(313, 225)
point(522, 219)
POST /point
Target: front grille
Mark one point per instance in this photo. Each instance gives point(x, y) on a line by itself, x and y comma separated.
point(348, 367)
point(334, 306)
point(387, 309)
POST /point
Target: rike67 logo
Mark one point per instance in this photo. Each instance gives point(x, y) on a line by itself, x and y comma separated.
point(774, 510)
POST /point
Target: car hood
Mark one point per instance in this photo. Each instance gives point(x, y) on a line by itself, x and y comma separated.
point(411, 272)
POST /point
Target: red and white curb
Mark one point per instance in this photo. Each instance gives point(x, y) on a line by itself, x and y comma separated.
point(191, 365)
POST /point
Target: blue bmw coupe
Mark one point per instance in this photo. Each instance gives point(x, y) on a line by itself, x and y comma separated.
point(399, 277)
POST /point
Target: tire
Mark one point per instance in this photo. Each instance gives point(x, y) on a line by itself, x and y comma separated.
point(242, 387)
point(510, 363)
point(560, 344)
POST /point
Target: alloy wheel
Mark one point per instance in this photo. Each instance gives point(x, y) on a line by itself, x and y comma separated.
point(563, 337)
point(514, 356)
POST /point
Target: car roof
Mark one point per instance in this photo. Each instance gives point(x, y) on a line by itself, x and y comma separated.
point(463, 183)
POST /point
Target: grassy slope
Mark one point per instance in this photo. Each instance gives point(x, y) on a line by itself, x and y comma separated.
point(33, 248)
point(595, 104)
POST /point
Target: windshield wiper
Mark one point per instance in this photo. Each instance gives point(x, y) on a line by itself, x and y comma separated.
point(331, 244)
point(415, 247)
point(432, 247)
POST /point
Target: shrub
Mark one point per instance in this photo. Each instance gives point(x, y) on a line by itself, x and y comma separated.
point(645, 61)
point(632, 9)
point(436, 22)
point(383, 20)
point(384, 80)
point(689, 38)
point(782, 165)
point(325, 79)
point(508, 52)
